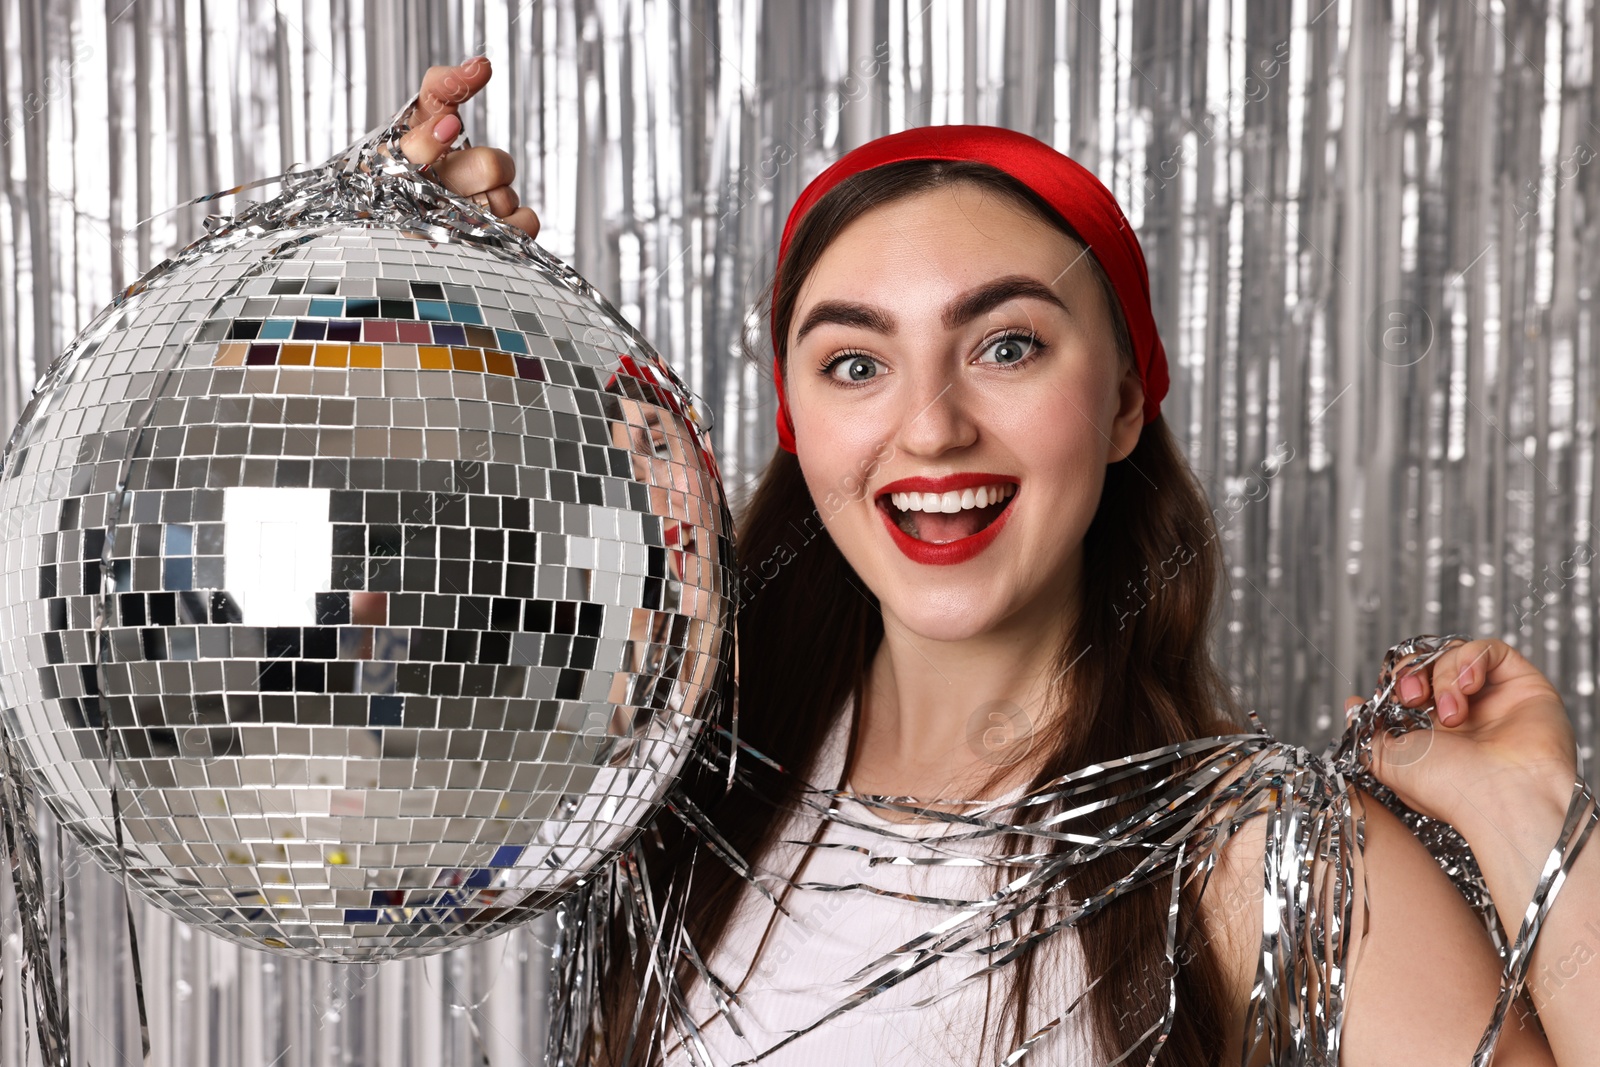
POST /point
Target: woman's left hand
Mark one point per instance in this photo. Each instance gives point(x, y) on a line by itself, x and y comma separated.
point(1501, 735)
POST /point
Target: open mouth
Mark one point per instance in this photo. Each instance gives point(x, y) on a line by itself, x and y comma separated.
point(681, 543)
point(940, 518)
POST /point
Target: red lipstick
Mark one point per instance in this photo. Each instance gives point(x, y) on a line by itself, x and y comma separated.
point(959, 550)
point(680, 543)
point(946, 483)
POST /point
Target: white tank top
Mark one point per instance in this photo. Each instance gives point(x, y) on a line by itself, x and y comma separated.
point(804, 971)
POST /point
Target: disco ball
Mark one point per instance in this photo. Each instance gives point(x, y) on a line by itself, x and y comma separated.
point(372, 561)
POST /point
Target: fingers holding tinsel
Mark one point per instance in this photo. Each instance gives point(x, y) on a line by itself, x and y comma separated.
point(1375, 727)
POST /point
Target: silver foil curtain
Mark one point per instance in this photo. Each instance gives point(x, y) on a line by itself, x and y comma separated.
point(1370, 231)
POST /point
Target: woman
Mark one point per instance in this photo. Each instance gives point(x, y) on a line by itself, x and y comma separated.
point(973, 469)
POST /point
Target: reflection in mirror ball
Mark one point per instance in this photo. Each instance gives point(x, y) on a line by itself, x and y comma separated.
point(414, 564)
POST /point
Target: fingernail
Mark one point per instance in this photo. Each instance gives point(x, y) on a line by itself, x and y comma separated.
point(1448, 704)
point(1465, 677)
point(445, 130)
point(1410, 687)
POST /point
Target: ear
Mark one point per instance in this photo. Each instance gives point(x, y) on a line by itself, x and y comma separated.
point(1129, 422)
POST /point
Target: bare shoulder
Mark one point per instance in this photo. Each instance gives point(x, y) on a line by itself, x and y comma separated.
point(1423, 975)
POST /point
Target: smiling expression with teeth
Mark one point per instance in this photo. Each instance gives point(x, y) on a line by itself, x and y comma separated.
point(960, 349)
point(952, 501)
point(945, 520)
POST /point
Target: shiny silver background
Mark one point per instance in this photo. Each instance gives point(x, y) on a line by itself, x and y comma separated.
point(1370, 228)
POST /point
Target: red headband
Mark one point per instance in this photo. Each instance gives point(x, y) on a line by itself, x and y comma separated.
point(1070, 189)
point(663, 390)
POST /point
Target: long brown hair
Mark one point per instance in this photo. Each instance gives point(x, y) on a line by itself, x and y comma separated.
point(1134, 673)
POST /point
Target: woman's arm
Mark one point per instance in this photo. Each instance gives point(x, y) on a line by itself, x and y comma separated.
point(1511, 834)
point(1499, 765)
point(1423, 975)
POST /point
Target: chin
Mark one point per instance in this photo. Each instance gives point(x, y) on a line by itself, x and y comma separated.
point(952, 617)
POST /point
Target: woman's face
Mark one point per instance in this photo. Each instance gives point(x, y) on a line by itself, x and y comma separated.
point(663, 459)
point(949, 342)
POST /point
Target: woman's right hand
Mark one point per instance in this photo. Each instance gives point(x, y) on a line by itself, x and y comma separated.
point(483, 174)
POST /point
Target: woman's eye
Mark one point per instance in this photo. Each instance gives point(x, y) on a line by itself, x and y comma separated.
point(651, 443)
point(857, 368)
point(1011, 349)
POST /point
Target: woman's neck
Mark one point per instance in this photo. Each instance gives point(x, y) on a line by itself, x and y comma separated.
point(949, 719)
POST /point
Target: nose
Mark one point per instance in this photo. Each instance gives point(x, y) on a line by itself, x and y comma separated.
point(936, 416)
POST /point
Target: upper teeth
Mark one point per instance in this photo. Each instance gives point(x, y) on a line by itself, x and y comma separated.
point(955, 500)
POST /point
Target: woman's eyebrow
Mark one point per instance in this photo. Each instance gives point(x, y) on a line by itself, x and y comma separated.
point(846, 313)
point(960, 311)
